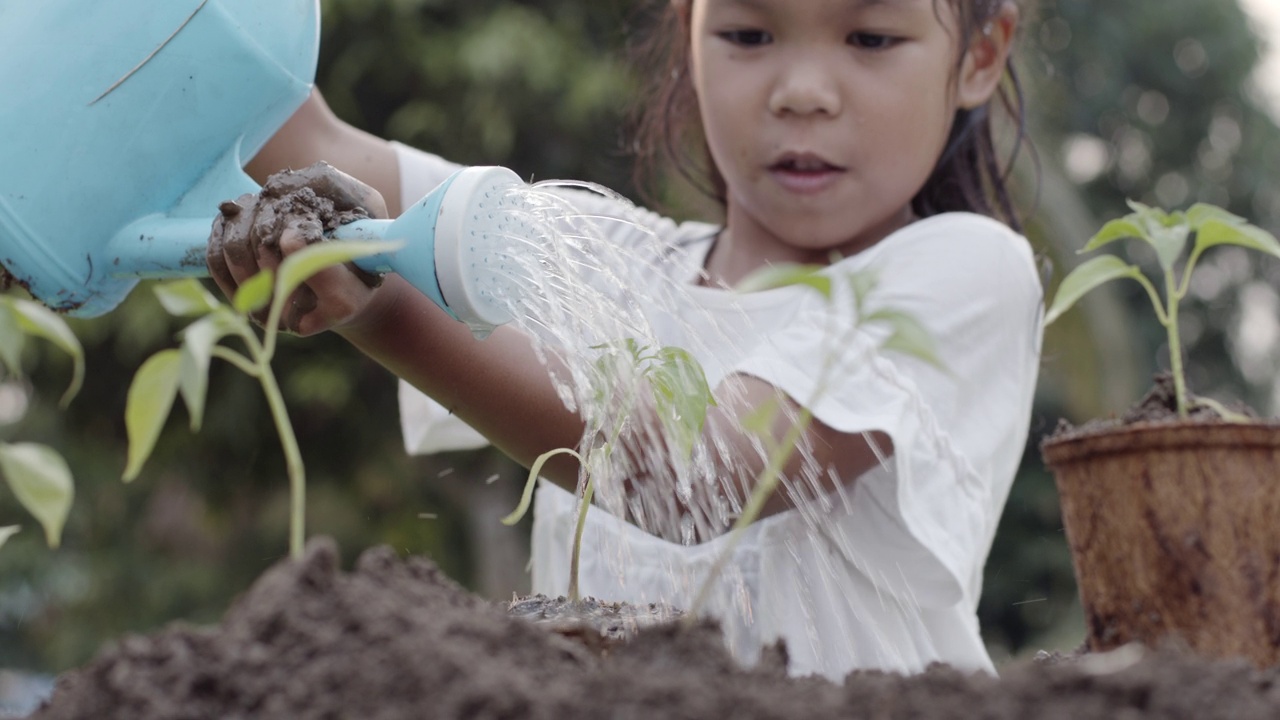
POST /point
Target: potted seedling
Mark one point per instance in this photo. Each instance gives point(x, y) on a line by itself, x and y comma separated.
point(1172, 520)
point(36, 474)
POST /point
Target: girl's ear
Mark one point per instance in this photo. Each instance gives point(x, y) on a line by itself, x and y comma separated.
point(984, 62)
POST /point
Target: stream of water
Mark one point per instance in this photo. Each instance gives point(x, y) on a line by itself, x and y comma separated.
point(582, 276)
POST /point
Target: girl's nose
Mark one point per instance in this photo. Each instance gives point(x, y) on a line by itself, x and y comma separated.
point(805, 87)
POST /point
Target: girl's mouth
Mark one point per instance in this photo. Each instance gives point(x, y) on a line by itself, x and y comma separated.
point(804, 173)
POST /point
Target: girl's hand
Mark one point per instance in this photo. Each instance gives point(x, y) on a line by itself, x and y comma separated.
point(293, 210)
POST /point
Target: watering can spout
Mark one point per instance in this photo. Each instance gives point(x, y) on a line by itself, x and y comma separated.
point(172, 243)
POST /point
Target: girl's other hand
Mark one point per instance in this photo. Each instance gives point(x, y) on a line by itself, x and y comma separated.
point(293, 210)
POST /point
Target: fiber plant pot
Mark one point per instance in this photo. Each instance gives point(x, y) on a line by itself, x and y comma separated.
point(1174, 529)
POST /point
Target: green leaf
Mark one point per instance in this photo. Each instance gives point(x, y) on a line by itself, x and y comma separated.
point(186, 298)
point(863, 283)
point(1169, 243)
point(681, 395)
point(38, 320)
point(1125, 227)
point(254, 293)
point(198, 341)
point(908, 336)
point(526, 499)
point(1086, 277)
point(147, 406)
point(1200, 213)
point(12, 338)
point(41, 481)
point(784, 274)
point(307, 262)
point(1219, 232)
point(8, 532)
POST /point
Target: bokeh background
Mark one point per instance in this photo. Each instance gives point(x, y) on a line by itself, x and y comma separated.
point(1163, 102)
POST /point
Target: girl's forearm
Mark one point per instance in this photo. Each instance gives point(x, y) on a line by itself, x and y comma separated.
point(497, 385)
point(314, 133)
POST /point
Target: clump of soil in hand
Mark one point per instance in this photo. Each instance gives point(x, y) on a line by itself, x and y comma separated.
point(307, 201)
point(397, 639)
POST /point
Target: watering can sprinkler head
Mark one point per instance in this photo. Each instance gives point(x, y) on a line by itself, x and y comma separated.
point(457, 245)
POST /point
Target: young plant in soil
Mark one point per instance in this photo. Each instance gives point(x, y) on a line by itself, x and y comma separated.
point(682, 397)
point(36, 474)
point(1201, 227)
point(906, 336)
point(185, 370)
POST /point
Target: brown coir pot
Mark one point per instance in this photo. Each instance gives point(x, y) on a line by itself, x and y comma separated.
point(1174, 531)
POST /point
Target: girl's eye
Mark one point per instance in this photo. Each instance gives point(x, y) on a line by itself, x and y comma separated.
point(747, 38)
point(872, 41)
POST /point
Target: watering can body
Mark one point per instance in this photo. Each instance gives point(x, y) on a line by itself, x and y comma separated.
point(126, 123)
point(121, 114)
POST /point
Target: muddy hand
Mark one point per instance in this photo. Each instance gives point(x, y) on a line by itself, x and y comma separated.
point(295, 209)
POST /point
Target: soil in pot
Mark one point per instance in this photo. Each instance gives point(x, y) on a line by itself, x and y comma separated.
point(1173, 528)
point(397, 639)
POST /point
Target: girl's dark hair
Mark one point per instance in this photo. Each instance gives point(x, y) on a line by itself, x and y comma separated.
point(667, 130)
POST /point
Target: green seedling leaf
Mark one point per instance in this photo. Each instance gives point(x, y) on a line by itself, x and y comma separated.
point(41, 481)
point(784, 274)
point(907, 336)
point(1120, 229)
point(147, 406)
point(198, 341)
point(862, 283)
point(8, 532)
point(1139, 209)
point(255, 293)
point(38, 320)
point(526, 498)
point(307, 262)
point(185, 298)
point(1169, 242)
point(1200, 213)
point(12, 338)
point(1223, 411)
point(681, 394)
point(1086, 277)
point(1220, 232)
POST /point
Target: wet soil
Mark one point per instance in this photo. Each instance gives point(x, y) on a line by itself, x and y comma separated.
point(1159, 405)
point(397, 639)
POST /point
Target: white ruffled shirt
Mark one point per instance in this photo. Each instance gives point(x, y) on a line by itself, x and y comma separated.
point(891, 578)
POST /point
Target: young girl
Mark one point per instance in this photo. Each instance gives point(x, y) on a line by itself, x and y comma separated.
point(847, 133)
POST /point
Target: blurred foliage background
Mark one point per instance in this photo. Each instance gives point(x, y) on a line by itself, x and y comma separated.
point(1126, 100)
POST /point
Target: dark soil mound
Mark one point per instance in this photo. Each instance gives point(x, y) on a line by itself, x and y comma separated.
point(397, 639)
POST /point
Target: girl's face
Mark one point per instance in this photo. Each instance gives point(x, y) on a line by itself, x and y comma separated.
point(825, 117)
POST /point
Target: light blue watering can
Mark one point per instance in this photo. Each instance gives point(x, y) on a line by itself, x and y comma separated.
point(124, 123)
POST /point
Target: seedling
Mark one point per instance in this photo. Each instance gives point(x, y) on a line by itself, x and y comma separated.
point(680, 397)
point(185, 370)
point(906, 336)
point(37, 475)
point(1202, 226)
